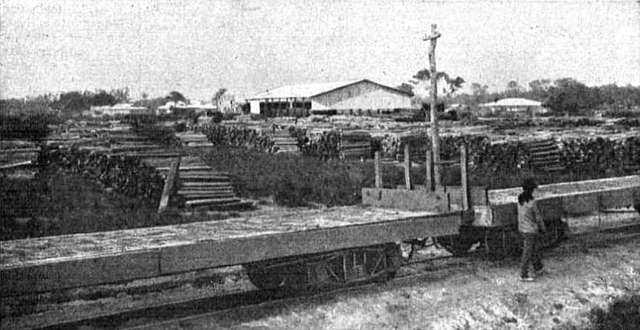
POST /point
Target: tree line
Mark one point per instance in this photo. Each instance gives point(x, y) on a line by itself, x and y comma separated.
point(562, 96)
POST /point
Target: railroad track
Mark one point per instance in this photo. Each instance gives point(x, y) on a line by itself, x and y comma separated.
point(422, 268)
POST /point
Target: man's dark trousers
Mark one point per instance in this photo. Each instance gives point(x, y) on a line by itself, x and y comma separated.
point(531, 253)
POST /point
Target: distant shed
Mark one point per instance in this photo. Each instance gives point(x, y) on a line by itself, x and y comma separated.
point(514, 106)
point(342, 96)
point(120, 109)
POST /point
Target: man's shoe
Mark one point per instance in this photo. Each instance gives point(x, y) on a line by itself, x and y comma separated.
point(527, 279)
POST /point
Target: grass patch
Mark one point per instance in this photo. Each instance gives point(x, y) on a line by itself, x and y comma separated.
point(58, 203)
point(294, 180)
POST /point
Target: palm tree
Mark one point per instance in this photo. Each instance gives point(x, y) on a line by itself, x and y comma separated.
point(449, 84)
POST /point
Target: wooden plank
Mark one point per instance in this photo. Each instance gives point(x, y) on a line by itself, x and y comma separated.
point(210, 201)
point(414, 200)
point(223, 253)
point(376, 168)
point(77, 273)
point(16, 165)
point(429, 169)
point(581, 203)
point(19, 150)
point(407, 167)
point(617, 198)
point(168, 185)
point(57, 262)
point(477, 195)
point(464, 179)
point(509, 195)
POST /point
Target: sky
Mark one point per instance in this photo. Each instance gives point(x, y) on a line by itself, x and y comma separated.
point(248, 46)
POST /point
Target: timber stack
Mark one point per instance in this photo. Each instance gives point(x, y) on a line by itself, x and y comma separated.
point(201, 188)
point(544, 155)
point(355, 145)
point(284, 142)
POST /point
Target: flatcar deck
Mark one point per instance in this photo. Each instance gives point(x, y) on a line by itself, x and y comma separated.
point(510, 195)
point(57, 262)
point(561, 199)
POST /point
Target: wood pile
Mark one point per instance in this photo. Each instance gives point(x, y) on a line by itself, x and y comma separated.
point(544, 155)
point(284, 142)
point(202, 188)
point(128, 162)
point(355, 145)
point(194, 140)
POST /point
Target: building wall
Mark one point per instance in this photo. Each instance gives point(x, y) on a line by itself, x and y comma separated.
point(364, 95)
point(254, 106)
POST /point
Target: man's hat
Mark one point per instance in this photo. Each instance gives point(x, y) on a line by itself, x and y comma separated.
point(529, 184)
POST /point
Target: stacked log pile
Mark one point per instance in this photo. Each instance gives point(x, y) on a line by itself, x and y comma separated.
point(621, 155)
point(132, 165)
point(238, 137)
point(544, 155)
point(200, 187)
point(355, 145)
point(194, 140)
point(283, 141)
point(17, 155)
point(127, 175)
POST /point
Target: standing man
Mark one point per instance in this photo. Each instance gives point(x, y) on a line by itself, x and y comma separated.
point(531, 227)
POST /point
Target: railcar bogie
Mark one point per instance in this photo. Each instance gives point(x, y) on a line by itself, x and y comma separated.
point(337, 268)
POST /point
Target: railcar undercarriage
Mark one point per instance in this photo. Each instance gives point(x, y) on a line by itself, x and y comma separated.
point(338, 268)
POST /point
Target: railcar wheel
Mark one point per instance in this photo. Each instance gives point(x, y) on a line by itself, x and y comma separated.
point(274, 275)
point(338, 268)
point(460, 244)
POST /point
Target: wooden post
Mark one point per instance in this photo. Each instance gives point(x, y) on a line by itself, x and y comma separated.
point(172, 176)
point(435, 139)
point(464, 179)
point(428, 179)
point(376, 167)
point(407, 166)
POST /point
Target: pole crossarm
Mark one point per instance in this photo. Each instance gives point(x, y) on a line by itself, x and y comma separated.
point(432, 36)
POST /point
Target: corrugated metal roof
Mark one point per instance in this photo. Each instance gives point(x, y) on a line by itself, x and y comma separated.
point(309, 90)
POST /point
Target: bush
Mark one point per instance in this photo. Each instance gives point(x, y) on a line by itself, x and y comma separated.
point(180, 127)
point(621, 114)
point(33, 126)
point(159, 134)
point(623, 313)
point(229, 115)
point(217, 117)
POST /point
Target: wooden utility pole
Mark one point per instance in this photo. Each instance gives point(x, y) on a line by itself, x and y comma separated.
point(435, 136)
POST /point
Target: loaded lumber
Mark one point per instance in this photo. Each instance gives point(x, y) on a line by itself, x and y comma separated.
point(70, 261)
point(560, 199)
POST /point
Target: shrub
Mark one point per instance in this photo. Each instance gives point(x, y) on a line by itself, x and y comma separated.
point(621, 114)
point(217, 117)
point(623, 313)
point(32, 126)
point(159, 134)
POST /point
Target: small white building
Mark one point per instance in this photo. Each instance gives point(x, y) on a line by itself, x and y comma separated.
point(120, 109)
point(514, 106)
point(362, 94)
point(183, 108)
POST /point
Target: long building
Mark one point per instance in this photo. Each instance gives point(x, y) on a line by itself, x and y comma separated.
point(120, 109)
point(514, 106)
point(356, 95)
